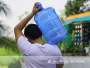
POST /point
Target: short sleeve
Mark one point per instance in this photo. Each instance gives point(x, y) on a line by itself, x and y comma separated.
point(23, 44)
point(60, 57)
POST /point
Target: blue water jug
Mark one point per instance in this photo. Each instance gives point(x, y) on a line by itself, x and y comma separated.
point(75, 39)
point(78, 39)
point(50, 24)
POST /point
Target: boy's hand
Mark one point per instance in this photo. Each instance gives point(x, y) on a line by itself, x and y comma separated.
point(35, 10)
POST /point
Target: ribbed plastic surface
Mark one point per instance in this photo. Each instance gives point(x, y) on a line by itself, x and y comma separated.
point(50, 25)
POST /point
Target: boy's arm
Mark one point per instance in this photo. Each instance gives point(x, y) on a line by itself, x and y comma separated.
point(18, 28)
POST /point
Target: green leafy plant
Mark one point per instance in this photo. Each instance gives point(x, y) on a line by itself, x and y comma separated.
point(73, 48)
point(15, 63)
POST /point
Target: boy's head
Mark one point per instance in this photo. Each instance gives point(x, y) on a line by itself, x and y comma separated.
point(32, 31)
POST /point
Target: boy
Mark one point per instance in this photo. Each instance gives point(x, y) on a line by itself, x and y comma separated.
point(36, 54)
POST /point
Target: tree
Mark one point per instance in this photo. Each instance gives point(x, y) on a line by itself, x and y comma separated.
point(26, 14)
point(6, 10)
point(15, 63)
point(1, 28)
point(9, 44)
point(6, 42)
point(62, 14)
point(74, 7)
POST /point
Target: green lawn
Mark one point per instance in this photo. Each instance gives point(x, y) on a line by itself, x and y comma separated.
point(6, 60)
point(3, 66)
point(5, 52)
point(2, 52)
point(7, 57)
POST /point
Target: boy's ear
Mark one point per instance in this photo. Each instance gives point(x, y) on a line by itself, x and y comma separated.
point(28, 38)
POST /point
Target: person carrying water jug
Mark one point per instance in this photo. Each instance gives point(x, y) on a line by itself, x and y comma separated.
point(36, 54)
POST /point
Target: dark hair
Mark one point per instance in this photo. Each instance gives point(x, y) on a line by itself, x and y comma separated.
point(32, 31)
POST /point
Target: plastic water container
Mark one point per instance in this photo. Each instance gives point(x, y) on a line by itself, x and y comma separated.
point(50, 24)
point(75, 39)
point(75, 35)
point(80, 39)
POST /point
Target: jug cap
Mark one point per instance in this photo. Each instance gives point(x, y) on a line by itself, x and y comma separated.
point(39, 5)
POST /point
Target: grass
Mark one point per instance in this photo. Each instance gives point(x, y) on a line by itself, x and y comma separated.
point(5, 52)
point(7, 57)
point(3, 66)
point(2, 52)
point(6, 60)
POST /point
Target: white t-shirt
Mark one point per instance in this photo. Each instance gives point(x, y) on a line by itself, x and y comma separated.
point(39, 56)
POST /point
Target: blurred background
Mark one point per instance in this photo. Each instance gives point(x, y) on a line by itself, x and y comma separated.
point(74, 15)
